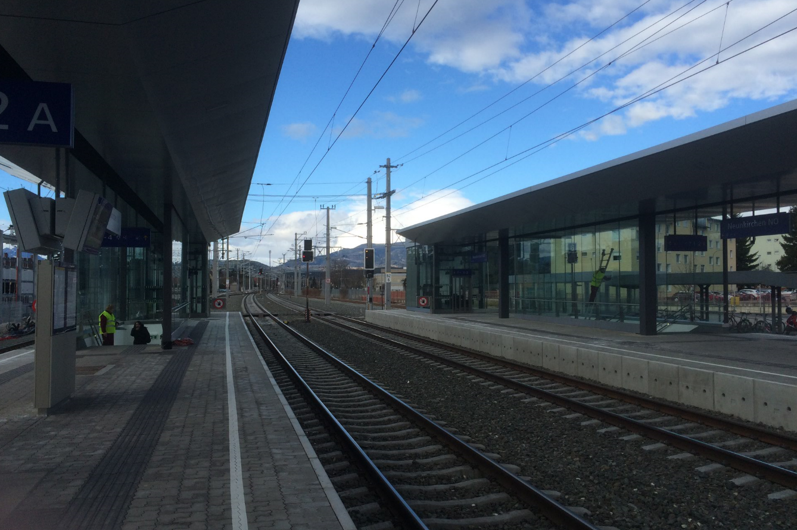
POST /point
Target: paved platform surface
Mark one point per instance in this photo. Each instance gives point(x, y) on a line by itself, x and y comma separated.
point(157, 439)
point(757, 355)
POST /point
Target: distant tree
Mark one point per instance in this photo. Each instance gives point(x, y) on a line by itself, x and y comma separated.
point(746, 259)
point(788, 263)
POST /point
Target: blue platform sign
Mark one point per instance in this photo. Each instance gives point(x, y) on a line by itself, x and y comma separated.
point(685, 243)
point(34, 113)
point(129, 238)
point(759, 225)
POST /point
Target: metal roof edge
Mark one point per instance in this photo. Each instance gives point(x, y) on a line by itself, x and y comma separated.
point(736, 123)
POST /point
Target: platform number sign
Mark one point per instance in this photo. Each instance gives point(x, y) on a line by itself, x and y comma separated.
point(218, 303)
point(36, 113)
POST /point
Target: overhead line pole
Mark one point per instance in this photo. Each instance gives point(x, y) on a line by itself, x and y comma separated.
point(328, 282)
point(388, 270)
point(296, 264)
point(369, 282)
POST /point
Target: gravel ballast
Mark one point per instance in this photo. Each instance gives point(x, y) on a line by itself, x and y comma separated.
point(621, 484)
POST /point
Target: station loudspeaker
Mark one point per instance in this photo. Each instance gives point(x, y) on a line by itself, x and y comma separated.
point(369, 259)
point(307, 256)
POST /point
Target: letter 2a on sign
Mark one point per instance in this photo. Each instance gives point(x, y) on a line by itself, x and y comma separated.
point(36, 113)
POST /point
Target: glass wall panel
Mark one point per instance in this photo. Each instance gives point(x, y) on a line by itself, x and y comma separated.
point(589, 273)
point(457, 285)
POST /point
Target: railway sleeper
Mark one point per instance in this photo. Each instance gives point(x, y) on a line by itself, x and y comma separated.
point(482, 500)
point(435, 460)
point(368, 429)
point(501, 519)
point(389, 434)
point(382, 453)
point(412, 489)
point(459, 472)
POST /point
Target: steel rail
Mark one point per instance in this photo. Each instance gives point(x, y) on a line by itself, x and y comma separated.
point(551, 509)
point(775, 474)
point(769, 437)
point(397, 503)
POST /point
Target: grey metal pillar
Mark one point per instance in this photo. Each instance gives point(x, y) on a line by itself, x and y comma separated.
point(215, 269)
point(724, 270)
point(166, 339)
point(503, 274)
point(648, 294)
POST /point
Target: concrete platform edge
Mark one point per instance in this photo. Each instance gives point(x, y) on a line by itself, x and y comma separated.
point(334, 500)
point(768, 403)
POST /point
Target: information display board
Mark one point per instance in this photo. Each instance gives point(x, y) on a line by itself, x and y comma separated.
point(64, 298)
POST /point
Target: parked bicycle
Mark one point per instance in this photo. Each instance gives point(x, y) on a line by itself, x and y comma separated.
point(740, 324)
point(765, 326)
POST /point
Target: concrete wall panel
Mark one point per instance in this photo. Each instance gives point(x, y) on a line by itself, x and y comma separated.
point(508, 347)
point(550, 356)
point(735, 395)
point(610, 369)
point(568, 359)
point(588, 364)
point(663, 380)
point(776, 404)
point(696, 387)
point(635, 375)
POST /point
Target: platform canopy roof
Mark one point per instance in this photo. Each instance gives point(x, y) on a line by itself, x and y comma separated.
point(748, 161)
point(166, 91)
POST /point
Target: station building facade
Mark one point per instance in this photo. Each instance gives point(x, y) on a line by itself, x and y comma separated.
point(169, 109)
point(535, 253)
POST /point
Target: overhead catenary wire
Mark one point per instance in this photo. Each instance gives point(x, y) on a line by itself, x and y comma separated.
point(367, 97)
point(672, 81)
point(581, 67)
point(529, 80)
point(635, 48)
point(388, 20)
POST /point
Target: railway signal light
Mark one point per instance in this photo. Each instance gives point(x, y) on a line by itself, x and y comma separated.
point(369, 259)
point(307, 256)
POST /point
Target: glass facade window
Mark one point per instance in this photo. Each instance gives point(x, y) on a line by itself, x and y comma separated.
point(590, 273)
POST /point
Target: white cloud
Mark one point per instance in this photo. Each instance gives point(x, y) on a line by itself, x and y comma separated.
point(470, 35)
point(408, 96)
point(349, 219)
point(512, 41)
point(381, 125)
point(427, 206)
point(298, 131)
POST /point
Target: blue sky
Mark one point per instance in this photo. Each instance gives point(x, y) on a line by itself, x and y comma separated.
point(529, 71)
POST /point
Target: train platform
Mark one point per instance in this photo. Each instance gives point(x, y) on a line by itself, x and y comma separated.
point(751, 376)
point(199, 436)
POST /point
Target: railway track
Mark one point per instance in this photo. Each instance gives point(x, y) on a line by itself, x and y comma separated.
point(426, 476)
point(755, 453)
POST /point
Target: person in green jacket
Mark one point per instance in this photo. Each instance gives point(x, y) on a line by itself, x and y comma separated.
point(595, 283)
point(107, 325)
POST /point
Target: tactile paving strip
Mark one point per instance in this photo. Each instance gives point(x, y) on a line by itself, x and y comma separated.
point(105, 497)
